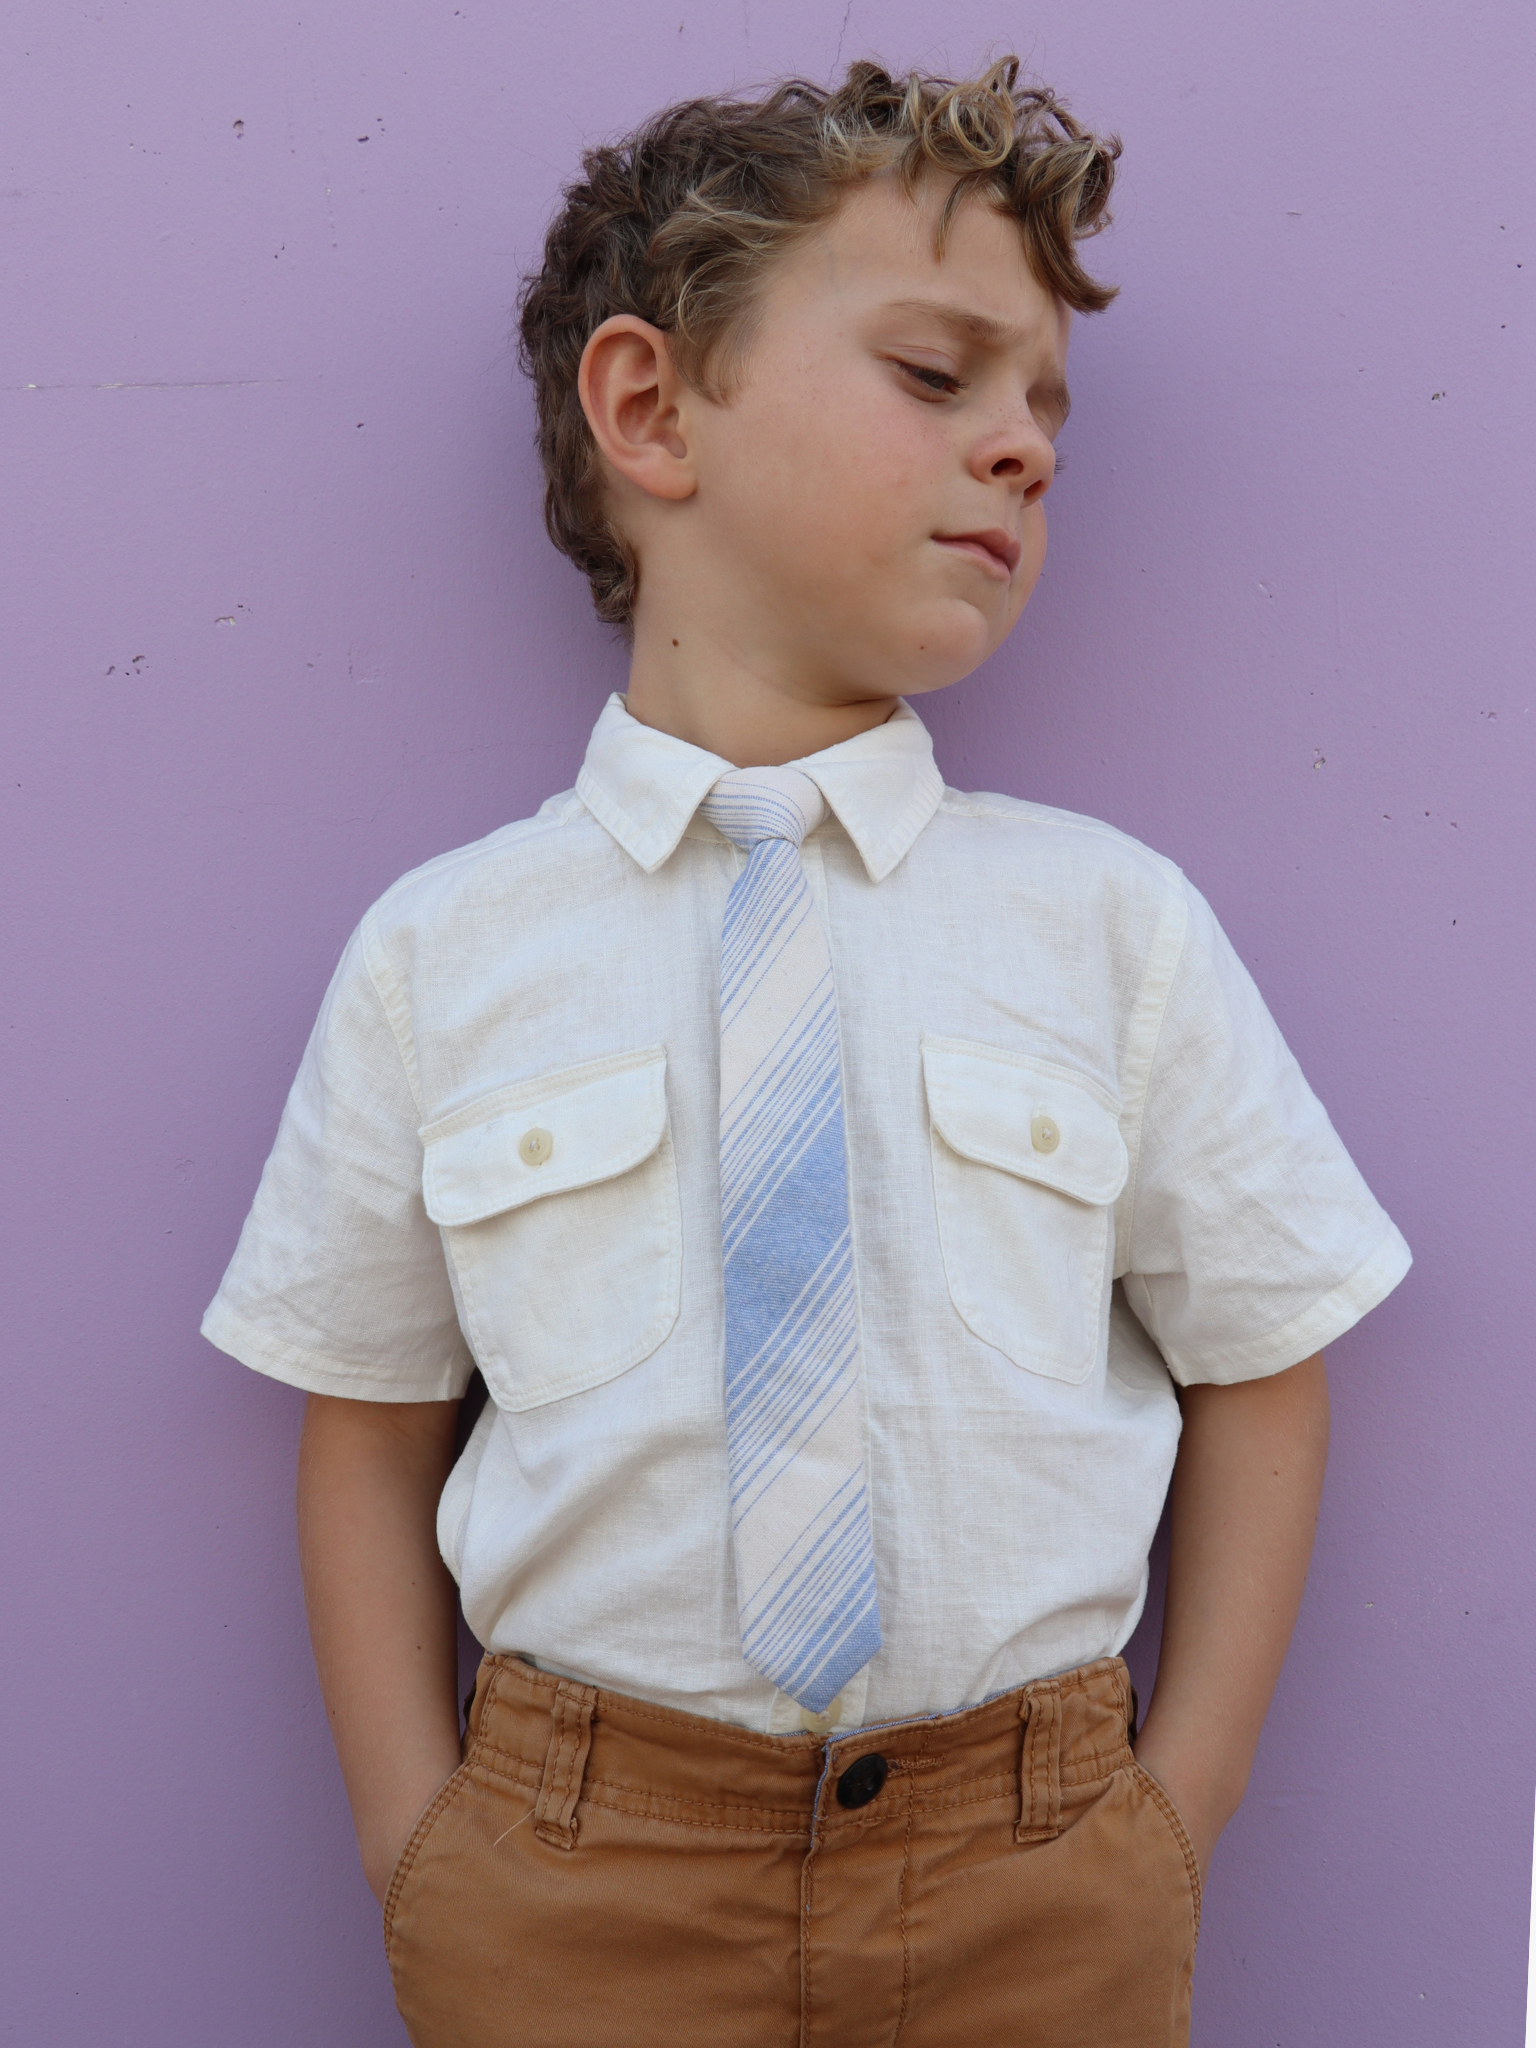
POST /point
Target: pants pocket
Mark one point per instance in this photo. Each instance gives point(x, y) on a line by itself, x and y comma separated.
point(1168, 1813)
point(436, 1807)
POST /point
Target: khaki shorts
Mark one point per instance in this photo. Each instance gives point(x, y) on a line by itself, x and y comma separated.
point(604, 1873)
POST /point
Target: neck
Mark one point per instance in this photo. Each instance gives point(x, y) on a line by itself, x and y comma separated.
point(731, 701)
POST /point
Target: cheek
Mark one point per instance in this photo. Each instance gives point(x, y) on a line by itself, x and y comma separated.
point(1032, 561)
point(842, 485)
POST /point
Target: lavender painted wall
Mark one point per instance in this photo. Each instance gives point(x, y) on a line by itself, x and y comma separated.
point(282, 623)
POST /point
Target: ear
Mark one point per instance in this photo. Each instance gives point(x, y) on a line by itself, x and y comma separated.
point(636, 406)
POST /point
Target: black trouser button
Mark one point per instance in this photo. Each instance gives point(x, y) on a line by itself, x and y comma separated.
point(862, 1781)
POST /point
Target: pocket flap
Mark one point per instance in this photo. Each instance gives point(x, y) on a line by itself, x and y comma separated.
point(1028, 1117)
point(541, 1137)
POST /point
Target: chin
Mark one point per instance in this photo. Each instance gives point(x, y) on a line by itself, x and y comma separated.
point(943, 648)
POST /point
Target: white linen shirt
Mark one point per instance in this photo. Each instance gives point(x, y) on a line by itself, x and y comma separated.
point(501, 1150)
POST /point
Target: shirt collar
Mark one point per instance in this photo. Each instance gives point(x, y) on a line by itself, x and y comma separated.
point(644, 786)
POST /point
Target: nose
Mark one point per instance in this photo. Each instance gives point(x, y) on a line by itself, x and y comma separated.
point(1016, 451)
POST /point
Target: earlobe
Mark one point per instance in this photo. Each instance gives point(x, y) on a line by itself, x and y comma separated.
point(635, 403)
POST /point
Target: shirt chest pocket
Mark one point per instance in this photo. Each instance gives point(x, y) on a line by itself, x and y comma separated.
point(558, 1203)
point(1027, 1161)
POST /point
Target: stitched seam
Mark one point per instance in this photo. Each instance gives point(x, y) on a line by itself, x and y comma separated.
point(548, 1802)
point(640, 1805)
point(636, 1711)
point(807, 1897)
point(505, 836)
point(722, 1806)
point(397, 1014)
point(498, 1371)
point(1087, 1678)
point(739, 1827)
point(1099, 1763)
point(528, 1773)
point(1040, 1766)
point(423, 1828)
point(965, 803)
point(1040, 1815)
point(1170, 1813)
point(1038, 1742)
point(559, 1807)
point(1132, 1189)
point(838, 1830)
point(965, 1791)
point(776, 1743)
point(547, 1807)
point(1265, 1350)
point(541, 1090)
point(1070, 1371)
point(325, 1372)
point(482, 1740)
point(1104, 1762)
point(901, 1907)
point(522, 1768)
point(554, 1776)
point(570, 1752)
point(565, 1756)
point(940, 1803)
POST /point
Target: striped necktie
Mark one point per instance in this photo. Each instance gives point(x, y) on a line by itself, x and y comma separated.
point(805, 1568)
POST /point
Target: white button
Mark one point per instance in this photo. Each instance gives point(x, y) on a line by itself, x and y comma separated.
point(535, 1146)
point(821, 1724)
point(1043, 1134)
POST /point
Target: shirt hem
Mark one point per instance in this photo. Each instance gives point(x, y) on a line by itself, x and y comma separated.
point(317, 1374)
point(1305, 1334)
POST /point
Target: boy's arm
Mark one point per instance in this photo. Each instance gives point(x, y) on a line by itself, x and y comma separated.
point(1245, 1496)
point(382, 1608)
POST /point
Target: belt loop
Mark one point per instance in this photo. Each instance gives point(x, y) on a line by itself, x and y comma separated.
point(1040, 1765)
point(570, 1738)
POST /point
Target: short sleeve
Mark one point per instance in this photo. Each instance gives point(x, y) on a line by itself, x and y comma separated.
point(339, 1283)
point(1253, 1239)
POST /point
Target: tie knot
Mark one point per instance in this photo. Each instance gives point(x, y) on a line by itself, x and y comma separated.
point(753, 804)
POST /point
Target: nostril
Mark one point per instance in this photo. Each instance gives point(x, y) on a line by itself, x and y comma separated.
point(1009, 466)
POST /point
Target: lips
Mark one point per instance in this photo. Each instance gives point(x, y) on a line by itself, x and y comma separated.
point(996, 551)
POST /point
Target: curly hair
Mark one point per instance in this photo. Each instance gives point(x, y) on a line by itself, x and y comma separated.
point(680, 222)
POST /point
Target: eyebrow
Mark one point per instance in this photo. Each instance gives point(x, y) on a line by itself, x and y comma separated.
point(987, 332)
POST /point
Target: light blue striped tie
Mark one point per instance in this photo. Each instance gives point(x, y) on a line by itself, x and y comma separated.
point(805, 1567)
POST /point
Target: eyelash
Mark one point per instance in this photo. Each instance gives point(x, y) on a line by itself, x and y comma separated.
point(938, 383)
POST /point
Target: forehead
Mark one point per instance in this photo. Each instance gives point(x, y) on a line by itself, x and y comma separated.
point(880, 247)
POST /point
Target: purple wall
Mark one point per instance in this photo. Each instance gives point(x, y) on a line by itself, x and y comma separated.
point(283, 623)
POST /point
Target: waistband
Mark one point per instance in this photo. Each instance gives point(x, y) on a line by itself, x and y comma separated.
point(1041, 1746)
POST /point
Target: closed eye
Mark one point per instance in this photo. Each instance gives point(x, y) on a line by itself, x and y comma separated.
point(938, 383)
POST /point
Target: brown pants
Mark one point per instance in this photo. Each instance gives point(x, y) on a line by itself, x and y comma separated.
point(601, 1873)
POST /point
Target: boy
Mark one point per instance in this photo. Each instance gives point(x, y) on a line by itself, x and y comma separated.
point(770, 1126)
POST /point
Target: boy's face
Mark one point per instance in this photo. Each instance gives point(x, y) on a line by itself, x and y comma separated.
point(869, 498)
